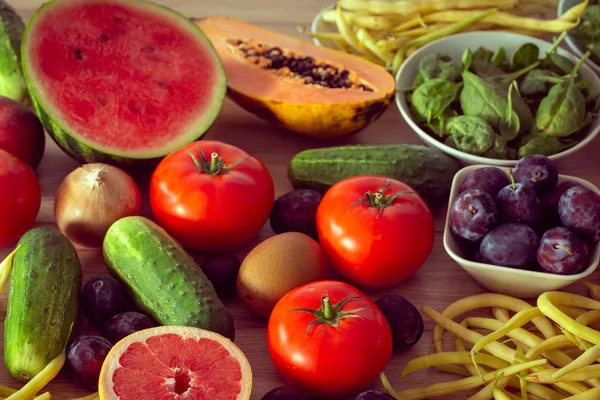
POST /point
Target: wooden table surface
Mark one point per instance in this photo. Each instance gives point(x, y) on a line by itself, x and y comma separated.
point(438, 283)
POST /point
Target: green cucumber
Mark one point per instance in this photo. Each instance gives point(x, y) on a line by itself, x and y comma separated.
point(162, 278)
point(426, 170)
point(42, 303)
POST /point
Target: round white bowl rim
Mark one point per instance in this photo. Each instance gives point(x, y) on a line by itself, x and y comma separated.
point(315, 24)
point(515, 271)
point(402, 105)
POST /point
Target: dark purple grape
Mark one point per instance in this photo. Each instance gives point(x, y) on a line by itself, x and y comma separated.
point(84, 360)
point(488, 179)
point(510, 245)
point(404, 319)
point(562, 252)
point(373, 395)
point(222, 270)
point(473, 214)
point(518, 202)
point(296, 211)
point(286, 393)
point(579, 210)
point(125, 324)
point(537, 171)
point(102, 297)
point(550, 204)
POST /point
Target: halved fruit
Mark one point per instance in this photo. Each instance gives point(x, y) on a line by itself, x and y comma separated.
point(309, 89)
point(175, 362)
point(119, 81)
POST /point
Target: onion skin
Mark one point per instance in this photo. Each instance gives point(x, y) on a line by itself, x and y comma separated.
point(90, 199)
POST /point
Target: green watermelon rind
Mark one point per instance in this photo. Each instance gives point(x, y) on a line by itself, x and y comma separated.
point(85, 151)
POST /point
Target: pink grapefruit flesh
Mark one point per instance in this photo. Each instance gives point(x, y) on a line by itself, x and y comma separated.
point(172, 363)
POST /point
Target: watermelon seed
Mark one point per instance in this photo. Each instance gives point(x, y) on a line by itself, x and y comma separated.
point(101, 100)
point(149, 49)
point(78, 54)
point(161, 84)
point(104, 37)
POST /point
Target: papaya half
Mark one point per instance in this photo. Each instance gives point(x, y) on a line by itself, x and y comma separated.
point(308, 89)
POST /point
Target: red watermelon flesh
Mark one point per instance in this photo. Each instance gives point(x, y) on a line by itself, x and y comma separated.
point(124, 77)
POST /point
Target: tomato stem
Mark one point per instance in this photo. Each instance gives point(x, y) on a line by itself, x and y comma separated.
point(214, 158)
point(331, 314)
point(326, 306)
point(380, 200)
point(216, 165)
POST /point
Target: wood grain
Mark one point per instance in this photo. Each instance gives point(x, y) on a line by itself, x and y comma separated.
point(438, 283)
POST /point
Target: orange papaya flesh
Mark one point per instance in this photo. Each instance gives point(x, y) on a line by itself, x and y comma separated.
point(308, 89)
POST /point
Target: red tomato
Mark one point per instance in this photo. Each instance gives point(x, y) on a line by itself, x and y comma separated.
point(20, 198)
point(375, 239)
point(328, 355)
point(216, 209)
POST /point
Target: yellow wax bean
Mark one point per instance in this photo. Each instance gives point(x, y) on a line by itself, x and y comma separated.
point(445, 388)
point(590, 356)
point(381, 7)
point(487, 300)
point(518, 320)
point(593, 394)
point(548, 303)
point(5, 268)
point(458, 357)
point(506, 20)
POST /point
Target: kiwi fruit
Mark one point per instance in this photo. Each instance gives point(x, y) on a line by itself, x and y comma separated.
point(277, 265)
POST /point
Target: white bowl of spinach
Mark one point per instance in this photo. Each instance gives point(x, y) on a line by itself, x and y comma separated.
point(587, 34)
point(495, 97)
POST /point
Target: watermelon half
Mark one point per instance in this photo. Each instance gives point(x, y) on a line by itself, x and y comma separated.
point(120, 81)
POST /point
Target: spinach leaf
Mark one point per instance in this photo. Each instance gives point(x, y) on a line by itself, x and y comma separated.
point(430, 100)
point(563, 111)
point(499, 57)
point(510, 124)
point(524, 56)
point(587, 89)
point(593, 105)
point(588, 29)
point(485, 69)
point(483, 54)
point(449, 141)
point(544, 145)
point(439, 66)
point(418, 81)
point(467, 59)
point(471, 134)
point(555, 62)
point(537, 82)
point(438, 125)
point(594, 47)
point(506, 79)
point(487, 100)
point(499, 150)
point(560, 64)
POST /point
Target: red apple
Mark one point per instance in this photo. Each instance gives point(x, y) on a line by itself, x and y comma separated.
point(21, 132)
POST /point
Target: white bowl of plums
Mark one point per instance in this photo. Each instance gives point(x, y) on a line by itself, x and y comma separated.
point(523, 231)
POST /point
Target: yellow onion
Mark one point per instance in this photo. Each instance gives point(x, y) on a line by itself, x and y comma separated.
point(90, 199)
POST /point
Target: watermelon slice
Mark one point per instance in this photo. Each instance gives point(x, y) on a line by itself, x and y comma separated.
point(120, 81)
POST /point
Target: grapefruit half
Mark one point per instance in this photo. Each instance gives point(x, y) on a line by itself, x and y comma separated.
point(172, 363)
